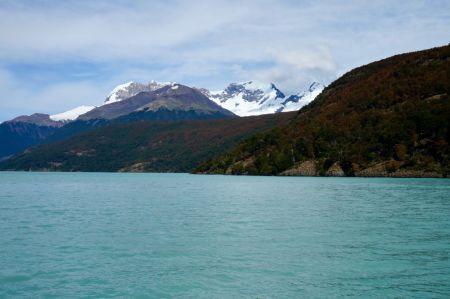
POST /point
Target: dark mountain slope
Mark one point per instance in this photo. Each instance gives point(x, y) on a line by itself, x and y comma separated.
point(144, 145)
point(25, 131)
point(388, 118)
point(80, 126)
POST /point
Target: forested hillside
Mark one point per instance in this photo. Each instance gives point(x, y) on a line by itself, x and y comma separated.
point(153, 146)
point(387, 118)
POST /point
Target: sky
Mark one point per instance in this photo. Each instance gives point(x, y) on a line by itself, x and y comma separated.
point(56, 55)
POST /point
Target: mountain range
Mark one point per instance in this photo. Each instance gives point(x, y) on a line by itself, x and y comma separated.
point(253, 98)
point(243, 99)
point(389, 118)
point(134, 101)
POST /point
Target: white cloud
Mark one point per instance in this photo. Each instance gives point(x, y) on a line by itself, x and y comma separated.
point(293, 70)
point(53, 98)
point(203, 43)
point(107, 31)
point(318, 58)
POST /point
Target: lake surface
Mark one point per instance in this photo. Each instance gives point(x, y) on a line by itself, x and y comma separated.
point(190, 236)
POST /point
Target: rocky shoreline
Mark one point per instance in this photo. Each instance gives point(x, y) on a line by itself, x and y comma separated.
point(383, 169)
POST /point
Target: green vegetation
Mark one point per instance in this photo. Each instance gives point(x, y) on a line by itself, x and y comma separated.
point(391, 117)
point(144, 145)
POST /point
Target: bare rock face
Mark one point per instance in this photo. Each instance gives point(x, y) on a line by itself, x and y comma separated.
point(383, 169)
point(307, 168)
point(415, 174)
point(392, 169)
point(377, 170)
point(335, 170)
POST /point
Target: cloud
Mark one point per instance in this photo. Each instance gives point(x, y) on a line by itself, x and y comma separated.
point(53, 98)
point(198, 42)
point(106, 30)
point(293, 70)
point(219, 31)
point(319, 58)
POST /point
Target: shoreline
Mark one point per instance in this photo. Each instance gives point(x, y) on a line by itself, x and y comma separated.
point(424, 176)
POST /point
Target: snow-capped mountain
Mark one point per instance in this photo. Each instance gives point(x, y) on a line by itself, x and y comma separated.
point(295, 102)
point(254, 98)
point(119, 93)
point(130, 89)
point(243, 99)
point(71, 114)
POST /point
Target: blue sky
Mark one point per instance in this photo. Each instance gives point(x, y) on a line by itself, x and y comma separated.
point(55, 55)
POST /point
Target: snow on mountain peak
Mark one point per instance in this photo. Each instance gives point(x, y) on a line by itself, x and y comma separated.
point(243, 98)
point(127, 90)
point(295, 102)
point(255, 98)
point(71, 114)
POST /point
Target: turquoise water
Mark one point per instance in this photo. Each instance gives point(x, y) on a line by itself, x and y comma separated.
point(92, 235)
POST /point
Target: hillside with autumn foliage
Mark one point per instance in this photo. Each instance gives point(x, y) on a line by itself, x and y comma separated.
point(387, 118)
